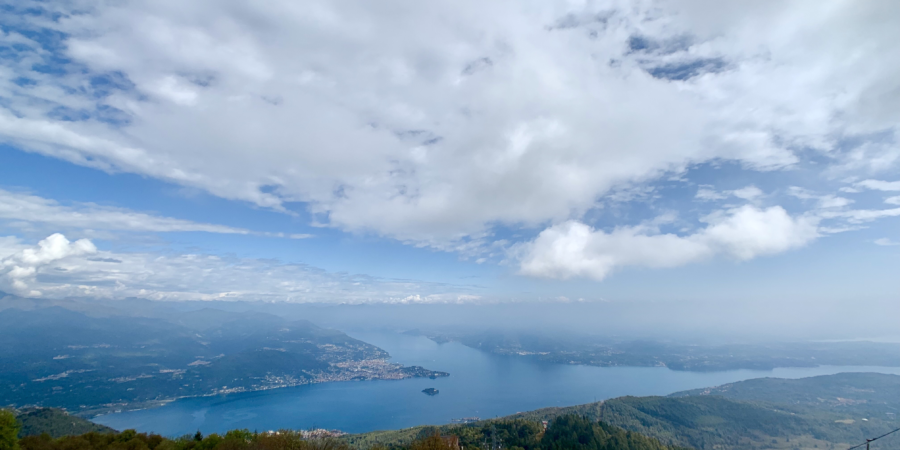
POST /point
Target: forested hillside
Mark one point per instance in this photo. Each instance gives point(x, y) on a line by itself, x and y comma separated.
point(56, 423)
point(564, 433)
point(828, 412)
point(863, 394)
point(817, 412)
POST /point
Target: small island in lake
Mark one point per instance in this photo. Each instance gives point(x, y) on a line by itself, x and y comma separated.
point(431, 391)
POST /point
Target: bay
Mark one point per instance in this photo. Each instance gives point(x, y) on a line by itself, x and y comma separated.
point(480, 385)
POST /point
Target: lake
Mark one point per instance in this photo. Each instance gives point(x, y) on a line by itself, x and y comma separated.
point(480, 384)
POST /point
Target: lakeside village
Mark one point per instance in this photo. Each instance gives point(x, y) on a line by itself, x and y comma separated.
point(316, 433)
point(368, 369)
point(362, 370)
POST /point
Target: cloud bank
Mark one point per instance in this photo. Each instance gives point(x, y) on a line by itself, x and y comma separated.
point(435, 123)
point(19, 270)
point(58, 268)
point(35, 209)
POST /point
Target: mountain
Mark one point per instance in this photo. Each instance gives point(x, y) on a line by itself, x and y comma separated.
point(574, 348)
point(870, 395)
point(88, 361)
point(815, 412)
point(827, 412)
point(56, 423)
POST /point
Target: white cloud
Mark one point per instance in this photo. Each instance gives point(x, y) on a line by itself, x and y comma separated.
point(827, 201)
point(886, 242)
point(433, 121)
point(893, 200)
point(10, 245)
point(32, 208)
point(747, 193)
point(833, 201)
point(574, 249)
point(59, 268)
point(708, 193)
point(23, 207)
point(831, 207)
point(857, 216)
point(17, 271)
point(871, 157)
point(801, 193)
point(879, 185)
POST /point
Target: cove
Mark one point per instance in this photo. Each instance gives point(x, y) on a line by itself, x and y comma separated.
point(480, 384)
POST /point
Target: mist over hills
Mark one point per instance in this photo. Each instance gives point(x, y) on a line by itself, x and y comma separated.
point(692, 322)
point(95, 355)
point(609, 351)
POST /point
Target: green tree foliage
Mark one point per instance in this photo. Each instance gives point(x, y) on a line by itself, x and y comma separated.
point(578, 433)
point(9, 431)
point(511, 434)
point(433, 442)
point(55, 422)
point(710, 422)
point(566, 432)
point(132, 440)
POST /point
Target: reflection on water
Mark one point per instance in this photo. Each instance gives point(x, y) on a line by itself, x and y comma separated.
point(480, 385)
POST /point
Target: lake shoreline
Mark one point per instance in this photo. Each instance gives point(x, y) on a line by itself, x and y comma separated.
point(400, 372)
point(483, 385)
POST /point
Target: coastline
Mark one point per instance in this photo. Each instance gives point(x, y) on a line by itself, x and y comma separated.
point(365, 370)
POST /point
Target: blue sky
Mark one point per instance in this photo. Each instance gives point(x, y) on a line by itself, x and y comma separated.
point(354, 152)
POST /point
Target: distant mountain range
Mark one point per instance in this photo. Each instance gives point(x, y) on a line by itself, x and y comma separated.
point(91, 358)
point(607, 352)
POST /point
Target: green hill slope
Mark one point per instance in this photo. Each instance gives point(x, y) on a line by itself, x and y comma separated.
point(857, 394)
point(828, 412)
point(706, 422)
point(56, 423)
point(564, 433)
point(816, 412)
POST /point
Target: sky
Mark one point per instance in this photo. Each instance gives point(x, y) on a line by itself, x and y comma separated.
point(457, 151)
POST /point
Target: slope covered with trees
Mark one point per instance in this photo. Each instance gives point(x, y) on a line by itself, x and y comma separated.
point(816, 412)
point(56, 423)
point(564, 433)
point(828, 412)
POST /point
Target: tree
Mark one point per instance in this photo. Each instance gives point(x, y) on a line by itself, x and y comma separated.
point(435, 442)
point(9, 431)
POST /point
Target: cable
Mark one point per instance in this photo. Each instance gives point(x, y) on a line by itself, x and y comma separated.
point(875, 439)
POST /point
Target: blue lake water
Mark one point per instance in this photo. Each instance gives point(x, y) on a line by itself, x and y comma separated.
point(480, 384)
